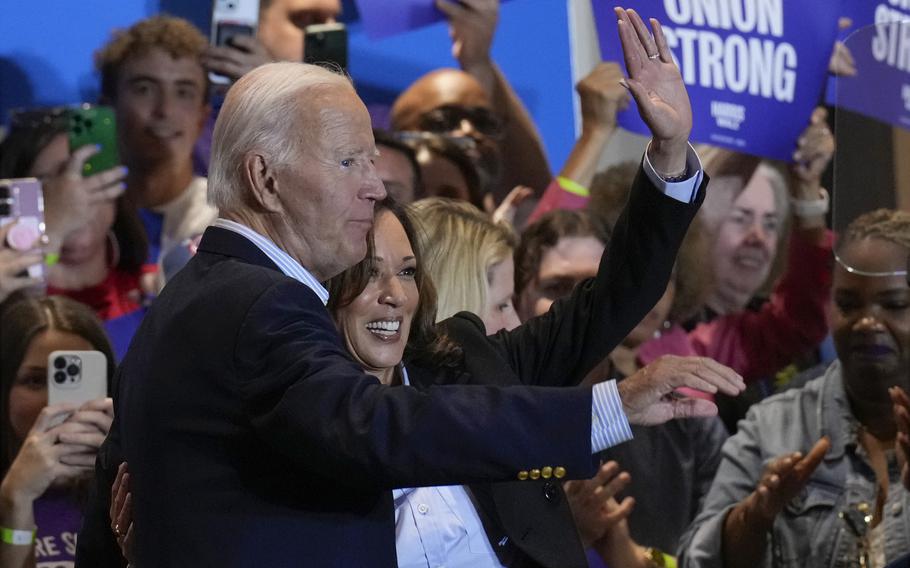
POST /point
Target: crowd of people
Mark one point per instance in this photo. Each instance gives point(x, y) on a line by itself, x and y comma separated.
point(333, 344)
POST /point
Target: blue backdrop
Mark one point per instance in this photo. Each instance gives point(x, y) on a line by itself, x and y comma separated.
point(46, 55)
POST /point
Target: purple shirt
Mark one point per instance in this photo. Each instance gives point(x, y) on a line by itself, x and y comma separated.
point(58, 517)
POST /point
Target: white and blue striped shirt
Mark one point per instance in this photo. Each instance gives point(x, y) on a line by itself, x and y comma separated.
point(284, 262)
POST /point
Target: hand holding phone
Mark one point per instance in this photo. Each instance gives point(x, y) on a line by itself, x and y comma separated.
point(76, 377)
point(14, 266)
point(326, 44)
point(22, 226)
point(92, 125)
point(234, 48)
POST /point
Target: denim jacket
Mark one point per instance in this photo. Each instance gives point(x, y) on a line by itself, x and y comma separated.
point(811, 531)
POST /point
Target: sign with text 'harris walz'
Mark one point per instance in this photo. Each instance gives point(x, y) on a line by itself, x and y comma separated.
point(754, 69)
point(879, 42)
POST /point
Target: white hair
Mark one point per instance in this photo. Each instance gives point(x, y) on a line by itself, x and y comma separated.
point(261, 113)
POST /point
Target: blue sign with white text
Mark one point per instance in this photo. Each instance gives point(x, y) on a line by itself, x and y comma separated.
point(754, 69)
point(879, 43)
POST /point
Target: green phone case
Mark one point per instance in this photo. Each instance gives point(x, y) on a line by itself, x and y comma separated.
point(89, 124)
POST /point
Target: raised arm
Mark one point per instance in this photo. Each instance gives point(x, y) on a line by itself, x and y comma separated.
point(473, 25)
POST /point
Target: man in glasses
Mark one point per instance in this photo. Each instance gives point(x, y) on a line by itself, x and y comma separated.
point(477, 102)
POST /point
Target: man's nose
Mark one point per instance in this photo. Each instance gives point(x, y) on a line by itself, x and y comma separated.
point(373, 187)
point(466, 128)
point(163, 105)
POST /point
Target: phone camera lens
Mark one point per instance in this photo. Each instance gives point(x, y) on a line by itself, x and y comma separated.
point(59, 362)
point(59, 377)
point(72, 370)
point(4, 192)
point(88, 124)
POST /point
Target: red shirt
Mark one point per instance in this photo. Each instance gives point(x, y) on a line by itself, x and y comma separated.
point(117, 295)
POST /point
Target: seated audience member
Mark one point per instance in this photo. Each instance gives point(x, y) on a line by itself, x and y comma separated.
point(469, 258)
point(238, 351)
point(96, 246)
point(152, 74)
point(397, 167)
point(47, 453)
point(279, 37)
point(384, 308)
point(477, 102)
point(811, 477)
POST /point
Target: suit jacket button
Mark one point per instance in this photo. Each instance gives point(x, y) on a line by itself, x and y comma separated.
point(551, 492)
point(559, 472)
point(522, 475)
point(535, 474)
point(546, 472)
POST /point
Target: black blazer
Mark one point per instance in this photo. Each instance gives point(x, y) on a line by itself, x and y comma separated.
point(254, 440)
point(529, 523)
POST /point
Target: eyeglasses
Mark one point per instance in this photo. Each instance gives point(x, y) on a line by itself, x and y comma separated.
point(447, 118)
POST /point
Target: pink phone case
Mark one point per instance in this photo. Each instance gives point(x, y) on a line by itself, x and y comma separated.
point(22, 203)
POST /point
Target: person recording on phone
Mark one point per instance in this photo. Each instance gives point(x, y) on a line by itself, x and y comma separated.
point(280, 36)
point(47, 453)
point(237, 389)
point(95, 247)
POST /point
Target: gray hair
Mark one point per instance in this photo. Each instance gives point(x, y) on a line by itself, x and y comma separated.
point(261, 113)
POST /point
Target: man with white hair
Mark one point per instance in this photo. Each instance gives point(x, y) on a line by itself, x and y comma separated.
point(252, 437)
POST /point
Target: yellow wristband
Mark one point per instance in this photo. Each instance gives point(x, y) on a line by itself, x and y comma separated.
point(572, 186)
point(51, 258)
point(17, 537)
point(660, 559)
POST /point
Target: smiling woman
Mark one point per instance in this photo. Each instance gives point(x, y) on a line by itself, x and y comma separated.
point(841, 427)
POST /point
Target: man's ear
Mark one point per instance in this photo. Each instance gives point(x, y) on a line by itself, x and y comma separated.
point(262, 179)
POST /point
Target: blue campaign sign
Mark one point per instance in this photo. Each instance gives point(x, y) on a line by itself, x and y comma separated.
point(879, 42)
point(754, 69)
point(384, 18)
point(881, 87)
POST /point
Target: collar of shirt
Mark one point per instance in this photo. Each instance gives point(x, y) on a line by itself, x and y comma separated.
point(282, 260)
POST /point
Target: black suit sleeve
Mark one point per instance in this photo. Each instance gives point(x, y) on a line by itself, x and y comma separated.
point(563, 345)
point(310, 402)
point(96, 546)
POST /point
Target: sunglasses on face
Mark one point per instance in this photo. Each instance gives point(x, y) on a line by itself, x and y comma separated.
point(449, 117)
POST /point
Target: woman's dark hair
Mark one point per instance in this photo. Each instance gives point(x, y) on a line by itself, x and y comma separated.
point(21, 322)
point(18, 153)
point(425, 342)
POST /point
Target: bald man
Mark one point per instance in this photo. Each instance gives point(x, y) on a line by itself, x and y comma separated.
point(477, 101)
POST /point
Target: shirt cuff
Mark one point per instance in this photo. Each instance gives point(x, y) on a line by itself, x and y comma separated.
point(609, 425)
point(685, 190)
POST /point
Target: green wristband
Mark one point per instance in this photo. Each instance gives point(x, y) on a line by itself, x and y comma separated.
point(51, 258)
point(572, 187)
point(17, 537)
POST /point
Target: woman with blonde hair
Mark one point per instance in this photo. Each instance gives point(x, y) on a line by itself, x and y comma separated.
point(469, 258)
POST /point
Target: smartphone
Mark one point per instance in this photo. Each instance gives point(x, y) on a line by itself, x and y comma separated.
point(76, 376)
point(92, 124)
point(326, 43)
point(22, 204)
point(231, 18)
